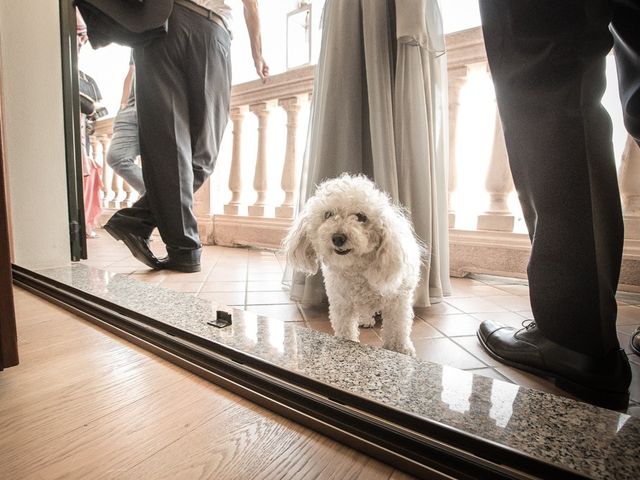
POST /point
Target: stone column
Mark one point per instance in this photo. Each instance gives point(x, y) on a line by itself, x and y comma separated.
point(292, 107)
point(499, 184)
point(235, 206)
point(127, 201)
point(203, 214)
point(457, 78)
point(260, 179)
point(629, 180)
point(96, 148)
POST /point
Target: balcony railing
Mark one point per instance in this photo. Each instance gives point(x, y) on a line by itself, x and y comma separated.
point(250, 199)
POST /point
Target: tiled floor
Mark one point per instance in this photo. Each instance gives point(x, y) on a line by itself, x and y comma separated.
point(443, 333)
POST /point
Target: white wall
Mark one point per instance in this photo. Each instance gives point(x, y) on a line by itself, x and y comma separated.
point(34, 131)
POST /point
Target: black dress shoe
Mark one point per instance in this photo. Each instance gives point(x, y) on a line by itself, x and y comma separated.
point(169, 264)
point(138, 246)
point(601, 381)
point(635, 341)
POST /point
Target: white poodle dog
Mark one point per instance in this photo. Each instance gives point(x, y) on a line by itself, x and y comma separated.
point(369, 255)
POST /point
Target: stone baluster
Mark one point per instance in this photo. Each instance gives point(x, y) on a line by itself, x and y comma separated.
point(203, 213)
point(260, 179)
point(499, 184)
point(235, 205)
point(127, 201)
point(629, 180)
point(117, 187)
point(288, 182)
point(457, 78)
point(96, 151)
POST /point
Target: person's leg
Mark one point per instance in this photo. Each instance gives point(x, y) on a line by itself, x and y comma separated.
point(549, 82)
point(125, 147)
point(209, 96)
point(165, 140)
point(547, 60)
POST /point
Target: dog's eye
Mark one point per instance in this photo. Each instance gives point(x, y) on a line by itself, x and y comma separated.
point(362, 218)
point(328, 215)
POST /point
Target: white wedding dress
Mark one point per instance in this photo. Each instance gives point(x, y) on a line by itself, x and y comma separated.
point(380, 108)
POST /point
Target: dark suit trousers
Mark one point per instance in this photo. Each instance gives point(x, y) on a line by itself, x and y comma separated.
point(547, 60)
point(183, 87)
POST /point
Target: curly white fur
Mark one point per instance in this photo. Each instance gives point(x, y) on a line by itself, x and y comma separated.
point(368, 253)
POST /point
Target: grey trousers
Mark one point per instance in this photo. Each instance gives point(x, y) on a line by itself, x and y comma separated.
point(125, 148)
point(547, 61)
point(183, 89)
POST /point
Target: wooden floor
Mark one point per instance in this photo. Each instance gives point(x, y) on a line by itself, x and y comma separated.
point(84, 404)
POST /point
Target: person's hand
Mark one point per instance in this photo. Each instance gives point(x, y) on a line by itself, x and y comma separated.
point(262, 69)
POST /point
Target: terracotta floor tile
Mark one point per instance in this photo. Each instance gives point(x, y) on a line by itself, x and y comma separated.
point(474, 305)
point(187, 277)
point(422, 329)
point(368, 336)
point(441, 308)
point(475, 290)
point(264, 286)
point(445, 352)
point(629, 298)
point(455, 325)
point(522, 290)
point(223, 287)
point(629, 315)
point(472, 345)
point(320, 326)
point(314, 313)
point(227, 275)
point(187, 287)
point(513, 303)
point(270, 276)
point(268, 298)
point(510, 319)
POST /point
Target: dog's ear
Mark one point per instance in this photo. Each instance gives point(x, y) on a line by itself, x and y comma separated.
point(394, 255)
point(298, 248)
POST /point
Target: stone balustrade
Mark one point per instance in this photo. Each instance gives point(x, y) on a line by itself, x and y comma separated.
point(239, 209)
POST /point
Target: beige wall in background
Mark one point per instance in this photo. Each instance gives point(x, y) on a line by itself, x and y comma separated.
point(31, 70)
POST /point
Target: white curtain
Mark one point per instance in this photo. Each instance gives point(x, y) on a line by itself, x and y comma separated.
point(380, 108)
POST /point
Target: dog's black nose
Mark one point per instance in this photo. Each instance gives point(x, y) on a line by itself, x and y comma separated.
point(338, 239)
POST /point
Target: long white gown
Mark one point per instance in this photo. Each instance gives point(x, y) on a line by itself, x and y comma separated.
point(380, 108)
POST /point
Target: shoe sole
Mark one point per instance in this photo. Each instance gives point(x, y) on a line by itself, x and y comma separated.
point(611, 400)
point(183, 268)
point(132, 248)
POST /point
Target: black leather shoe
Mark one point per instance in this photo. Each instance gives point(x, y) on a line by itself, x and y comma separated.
point(635, 341)
point(138, 246)
point(169, 264)
point(601, 381)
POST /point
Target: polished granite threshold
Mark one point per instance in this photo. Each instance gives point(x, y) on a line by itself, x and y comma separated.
point(424, 418)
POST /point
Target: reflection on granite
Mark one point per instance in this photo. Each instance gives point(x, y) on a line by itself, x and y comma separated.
point(591, 441)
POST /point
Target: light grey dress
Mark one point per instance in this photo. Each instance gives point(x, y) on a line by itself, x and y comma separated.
point(380, 108)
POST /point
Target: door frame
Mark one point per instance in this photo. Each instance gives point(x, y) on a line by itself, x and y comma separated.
point(71, 105)
point(8, 333)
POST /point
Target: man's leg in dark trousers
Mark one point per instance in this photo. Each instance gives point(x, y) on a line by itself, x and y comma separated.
point(547, 60)
point(183, 91)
